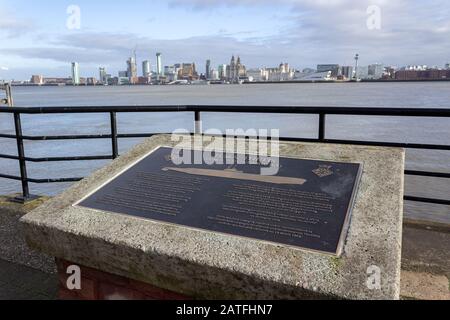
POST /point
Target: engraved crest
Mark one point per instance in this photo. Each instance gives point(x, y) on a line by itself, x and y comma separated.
point(323, 171)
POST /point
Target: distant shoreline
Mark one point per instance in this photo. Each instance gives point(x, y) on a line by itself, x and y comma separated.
point(245, 83)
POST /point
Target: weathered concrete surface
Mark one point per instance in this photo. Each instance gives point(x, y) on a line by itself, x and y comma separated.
point(207, 265)
point(424, 286)
point(13, 247)
point(426, 251)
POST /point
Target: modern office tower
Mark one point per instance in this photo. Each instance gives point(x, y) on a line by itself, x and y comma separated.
point(159, 67)
point(75, 73)
point(131, 68)
point(222, 71)
point(146, 69)
point(102, 75)
point(208, 69)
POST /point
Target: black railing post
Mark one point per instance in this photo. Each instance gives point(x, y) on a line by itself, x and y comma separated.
point(322, 119)
point(115, 145)
point(198, 124)
point(21, 155)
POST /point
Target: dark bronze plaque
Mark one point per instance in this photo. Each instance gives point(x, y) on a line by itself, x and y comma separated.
point(307, 204)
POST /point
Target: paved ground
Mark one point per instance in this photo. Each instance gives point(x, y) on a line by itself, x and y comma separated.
point(18, 282)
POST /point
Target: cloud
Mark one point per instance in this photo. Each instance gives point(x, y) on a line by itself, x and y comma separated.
point(311, 32)
point(13, 26)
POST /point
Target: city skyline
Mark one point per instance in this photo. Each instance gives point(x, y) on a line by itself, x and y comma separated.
point(37, 40)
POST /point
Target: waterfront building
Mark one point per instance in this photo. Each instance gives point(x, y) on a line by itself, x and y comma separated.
point(58, 81)
point(123, 74)
point(317, 76)
point(132, 69)
point(222, 71)
point(159, 70)
point(430, 74)
point(447, 66)
point(123, 81)
point(334, 68)
point(208, 69)
point(375, 71)
point(347, 72)
point(188, 72)
point(102, 75)
point(362, 72)
point(91, 81)
point(255, 75)
point(214, 75)
point(75, 73)
point(236, 70)
point(37, 79)
point(146, 69)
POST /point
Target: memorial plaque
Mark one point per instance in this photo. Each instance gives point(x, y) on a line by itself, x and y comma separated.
point(307, 204)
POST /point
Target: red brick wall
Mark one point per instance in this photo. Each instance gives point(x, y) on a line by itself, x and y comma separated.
point(99, 285)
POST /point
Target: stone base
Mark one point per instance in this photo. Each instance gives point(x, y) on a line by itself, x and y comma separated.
point(99, 285)
point(208, 265)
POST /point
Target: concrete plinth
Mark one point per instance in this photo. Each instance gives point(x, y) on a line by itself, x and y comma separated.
point(201, 264)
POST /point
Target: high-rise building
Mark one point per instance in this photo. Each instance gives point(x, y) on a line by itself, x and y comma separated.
point(75, 73)
point(123, 74)
point(102, 75)
point(159, 67)
point(208, 69)
point(222, 71)
point(146, 69)
point(132, 69)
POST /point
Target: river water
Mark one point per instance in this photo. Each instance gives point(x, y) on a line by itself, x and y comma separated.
point(414, 130)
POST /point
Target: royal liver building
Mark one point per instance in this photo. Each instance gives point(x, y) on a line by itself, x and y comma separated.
point(236, 70)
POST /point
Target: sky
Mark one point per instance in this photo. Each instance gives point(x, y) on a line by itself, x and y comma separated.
point(43, 37)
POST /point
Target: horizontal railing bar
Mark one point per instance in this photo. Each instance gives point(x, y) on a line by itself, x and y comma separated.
point(6, 176)
point(427, 174)
point(58, 180)
point(410, 112)
point(68, 137)
point(338, 141)
point(8, 156)
point(54, 159)
point(427, 200)
point(391, 144)
point(75, 158)
point(7, 136)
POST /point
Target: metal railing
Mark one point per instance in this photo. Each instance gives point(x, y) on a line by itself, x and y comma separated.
point(322, 113)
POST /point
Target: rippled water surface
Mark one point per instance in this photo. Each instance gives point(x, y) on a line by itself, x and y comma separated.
point(413, 95)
